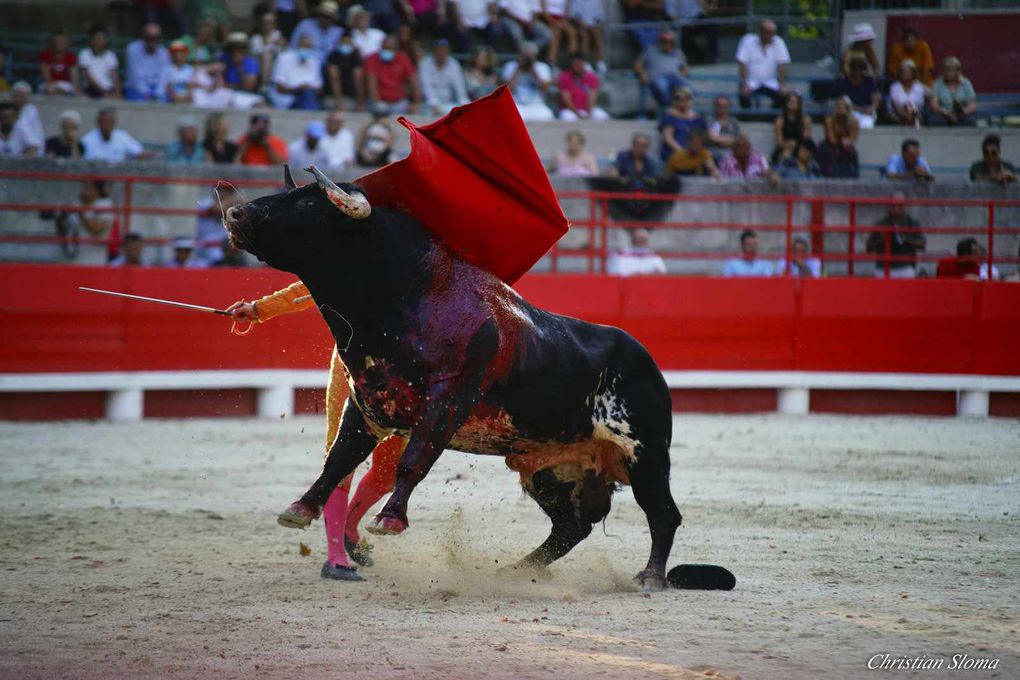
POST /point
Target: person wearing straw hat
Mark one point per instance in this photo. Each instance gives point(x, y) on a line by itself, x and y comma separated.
point(240, 69)
point(321, 28)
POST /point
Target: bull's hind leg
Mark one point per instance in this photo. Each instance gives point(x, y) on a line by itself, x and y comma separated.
point(649, 478)
point(574, 501)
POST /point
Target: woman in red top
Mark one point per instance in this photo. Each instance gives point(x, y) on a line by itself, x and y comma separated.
point(59, 67)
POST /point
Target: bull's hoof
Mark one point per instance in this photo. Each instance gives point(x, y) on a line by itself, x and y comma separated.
point(650, 580)
point(384, 525)
point(298, 515)
point(338, 573)
point(359, 552)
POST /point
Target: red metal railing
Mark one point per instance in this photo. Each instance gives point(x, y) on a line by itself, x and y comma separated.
point(595, 252)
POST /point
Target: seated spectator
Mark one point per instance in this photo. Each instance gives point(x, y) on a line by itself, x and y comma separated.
point(338, 142)
point(480, 75)
point(109, 143)
point(554, 14)
point(902, 239)
point(790, 127)
point(574, 161)
point(723, 130)
point(386, 14)
point(366, 39)
point(529, 79)
point(911, 47)
point(345, 74)
point(638, 259)
point(308, 150)
point(146, 63)
point(321, 28)
point(184, 255)
point(240, 70)
point(204, 45)
point(470, 22)
point(862, 91)
point(636, 166)
point(209, 91)
point(375, 141)
point(953, 100)
point(520, 20)
point(802, 164)
point(579, 92)
point(693, 159)
point(131, 252)
point(4, 85)
point(909, 163)
point(28, 118)
point(14, 140)
point(392, 79)
point(232, 257)
point(862, 46)
point(288, 14)
point(970, 263)
point(68, 143)
point(265, 44)
point(837, 154)
point(409, 45)
point(217, 139)
point(209, 230)
point(426, 16)
point(677, 122)
point(297, 78)
point(259, 146)
point(906, 96)
point(186, 149)
point(442, 81)
point(59, 67)
point(180, 75)
point(802, 265)
point(588, 17)
point(96, 219)
point(643, 12)
point(743, 162)
point(748, 263)
point(761, 61)
point(662, 68)
point(992, 167)
point(99, 65)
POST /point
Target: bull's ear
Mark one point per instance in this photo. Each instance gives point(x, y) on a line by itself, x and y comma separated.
point(353, 205)
point(288, 180)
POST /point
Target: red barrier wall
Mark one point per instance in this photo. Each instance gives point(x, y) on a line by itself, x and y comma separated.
point(929, 326)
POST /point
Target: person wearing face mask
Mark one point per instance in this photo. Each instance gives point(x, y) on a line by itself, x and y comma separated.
point(297, 79)
point(345, 75)
point(393, 79)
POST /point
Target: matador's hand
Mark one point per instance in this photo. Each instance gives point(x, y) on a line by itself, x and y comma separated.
point(242, 311)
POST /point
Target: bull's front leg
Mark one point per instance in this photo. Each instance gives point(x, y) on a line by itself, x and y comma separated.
point(352, 446)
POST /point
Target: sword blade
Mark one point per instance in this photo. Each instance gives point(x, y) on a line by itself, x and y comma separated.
point(170, 303)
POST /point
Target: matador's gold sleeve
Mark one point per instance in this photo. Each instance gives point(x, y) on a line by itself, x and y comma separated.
point(283, 302)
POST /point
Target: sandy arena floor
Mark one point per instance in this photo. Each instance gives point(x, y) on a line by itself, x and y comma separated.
point(152, 550)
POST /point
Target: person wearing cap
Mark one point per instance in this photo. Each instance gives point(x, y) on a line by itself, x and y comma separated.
point(109, 143)
point(392, 79)
point(338, 142)
point(861, 46)
point(146, 63)
point(297, 78)
point(99, 65)
point(308, 150)
point(321, 28)
point(442, 81)
point(365, 38)
point(259, 146)
point(68, 143)
point(240, 69)
point(529, 79)
point(179, 74)
point(187, 149)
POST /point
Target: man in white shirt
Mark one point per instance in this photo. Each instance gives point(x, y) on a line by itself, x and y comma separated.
point(28, 118)
point(442, 81)
point(762, 60)
point(14, 141)
point(638, 259)
point(748, 263)
point(528, 79)
point(108, 143)
point(99, 65)
point(367, 39)
point(307, 150)
point(338, 142)
point(297, 80)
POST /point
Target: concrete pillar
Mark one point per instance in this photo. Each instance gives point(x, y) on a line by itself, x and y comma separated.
point(973, 404)
point(793, 400)
point(276, 401)
point(124, 405)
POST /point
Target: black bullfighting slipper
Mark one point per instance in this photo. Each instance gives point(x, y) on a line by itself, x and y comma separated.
point(338, 573)
point(359, 552)
point(701, 577)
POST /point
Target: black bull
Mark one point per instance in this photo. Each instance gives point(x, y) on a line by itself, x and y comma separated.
point(445, 354)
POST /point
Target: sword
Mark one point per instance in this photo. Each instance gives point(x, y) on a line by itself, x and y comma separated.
point(171, 303)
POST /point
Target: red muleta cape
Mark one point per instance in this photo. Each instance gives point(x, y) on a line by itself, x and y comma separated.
point(474, 179)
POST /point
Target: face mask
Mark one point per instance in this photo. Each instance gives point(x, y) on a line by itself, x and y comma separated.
point(346, 49)
point(305, 53)
point(387, 55)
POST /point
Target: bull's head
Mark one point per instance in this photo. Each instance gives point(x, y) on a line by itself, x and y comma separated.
point(298, 226)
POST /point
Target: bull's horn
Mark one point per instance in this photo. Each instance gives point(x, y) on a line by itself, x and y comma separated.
point(352, 205)
point(288, 180)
